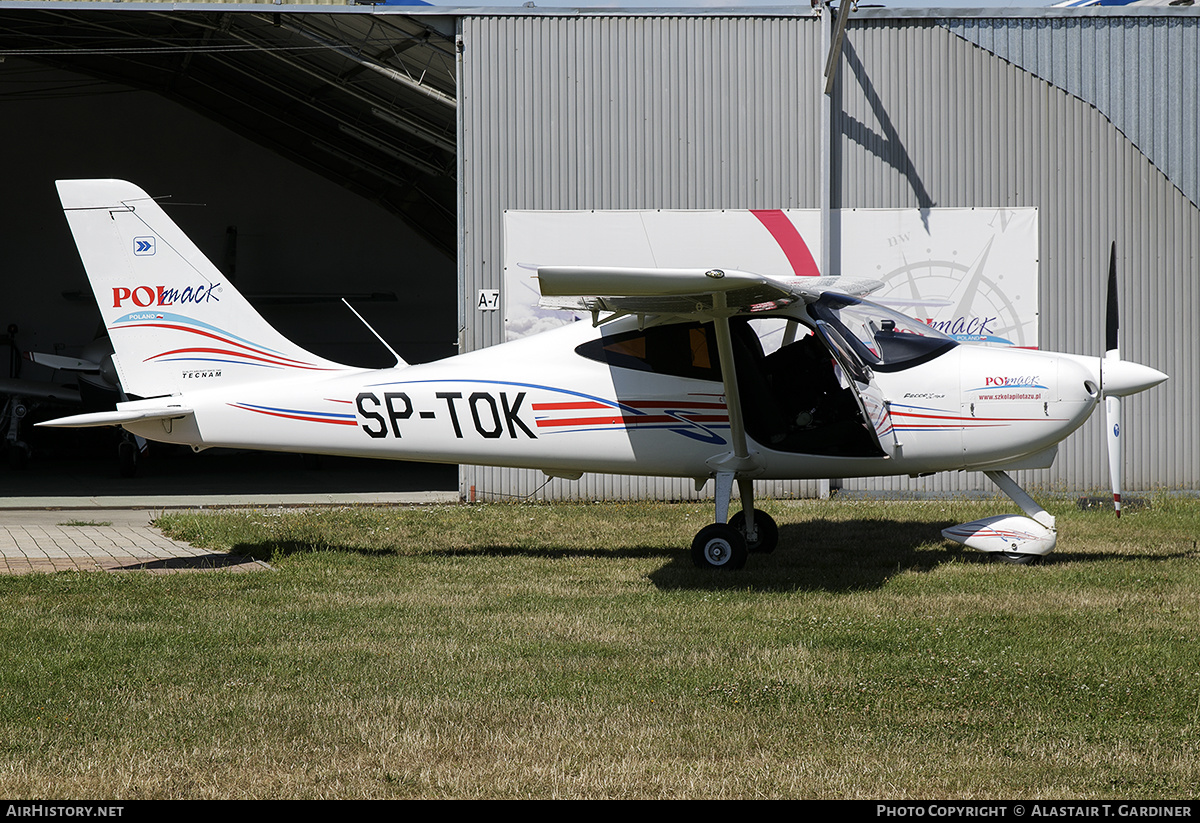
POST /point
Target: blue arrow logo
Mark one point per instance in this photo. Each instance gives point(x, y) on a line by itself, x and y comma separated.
point(143, 246)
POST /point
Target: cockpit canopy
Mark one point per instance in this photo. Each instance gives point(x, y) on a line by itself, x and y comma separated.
point(880, 338)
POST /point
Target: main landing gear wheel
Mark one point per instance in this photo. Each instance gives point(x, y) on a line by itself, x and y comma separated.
point(719, 546)
point(127, 457)
point(768, 533)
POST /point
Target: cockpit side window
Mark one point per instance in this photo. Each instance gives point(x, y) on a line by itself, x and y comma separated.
point(681, 349)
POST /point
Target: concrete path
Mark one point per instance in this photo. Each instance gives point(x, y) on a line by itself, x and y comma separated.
point(77, 516)
point(100, 540)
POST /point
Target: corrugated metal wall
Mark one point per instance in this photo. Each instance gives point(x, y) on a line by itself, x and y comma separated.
point(623, 112)
point(930, 119)
point(1141, 72)
point(694, 111)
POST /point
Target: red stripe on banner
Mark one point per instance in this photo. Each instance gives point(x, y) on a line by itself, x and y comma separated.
point(793, 245)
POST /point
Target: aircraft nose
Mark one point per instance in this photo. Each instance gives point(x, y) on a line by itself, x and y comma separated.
point(1121, 378)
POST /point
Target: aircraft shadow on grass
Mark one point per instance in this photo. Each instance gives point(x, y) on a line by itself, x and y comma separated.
point(207, 562)
point(832, 556)
point(819, 555)
point(814, 555)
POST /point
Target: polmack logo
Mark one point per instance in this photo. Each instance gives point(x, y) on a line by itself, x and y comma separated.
point(993, 388)
point(1024, 381)
point(146, 296)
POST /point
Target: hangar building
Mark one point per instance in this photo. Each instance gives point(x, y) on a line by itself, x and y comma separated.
point(376, 150)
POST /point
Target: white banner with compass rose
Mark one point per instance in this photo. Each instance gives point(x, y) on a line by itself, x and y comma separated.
point(970, 272)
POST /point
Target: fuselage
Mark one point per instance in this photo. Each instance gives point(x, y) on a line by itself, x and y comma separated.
point(567, 401)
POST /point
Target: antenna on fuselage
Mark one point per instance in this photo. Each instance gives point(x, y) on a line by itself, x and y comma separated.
point(378, 336)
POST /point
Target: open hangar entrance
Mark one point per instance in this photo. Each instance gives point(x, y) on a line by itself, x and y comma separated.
point(310, 156)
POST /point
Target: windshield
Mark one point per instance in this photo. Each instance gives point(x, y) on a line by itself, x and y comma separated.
point(883, 339)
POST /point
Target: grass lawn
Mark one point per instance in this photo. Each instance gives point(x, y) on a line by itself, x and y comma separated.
point(573, 651)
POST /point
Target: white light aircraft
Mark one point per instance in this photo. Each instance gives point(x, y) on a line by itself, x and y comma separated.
point(670, 379)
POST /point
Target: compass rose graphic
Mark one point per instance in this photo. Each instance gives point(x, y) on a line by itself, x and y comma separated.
point(965, 300)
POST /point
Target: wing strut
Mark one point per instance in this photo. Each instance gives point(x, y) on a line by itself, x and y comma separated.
point(738, 464)
point(733, 399)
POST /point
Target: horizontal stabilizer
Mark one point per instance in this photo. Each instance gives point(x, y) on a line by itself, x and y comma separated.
point(117, 418)
point(60, 363)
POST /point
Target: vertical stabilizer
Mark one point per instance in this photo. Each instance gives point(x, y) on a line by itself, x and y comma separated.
point(176, 323)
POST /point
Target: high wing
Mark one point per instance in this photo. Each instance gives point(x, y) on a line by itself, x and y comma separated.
point(681, 292)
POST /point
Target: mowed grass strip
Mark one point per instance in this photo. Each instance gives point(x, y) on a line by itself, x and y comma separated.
point(572, 651)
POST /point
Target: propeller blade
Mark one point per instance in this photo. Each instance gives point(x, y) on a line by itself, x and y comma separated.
point(1118, 378)
point(1112, 358)
point(1112, 321)
point(1112, 406)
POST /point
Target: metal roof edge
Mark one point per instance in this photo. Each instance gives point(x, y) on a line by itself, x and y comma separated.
point(862, 12)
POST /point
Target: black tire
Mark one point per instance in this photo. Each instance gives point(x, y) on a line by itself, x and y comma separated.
point(1018, 558)
point(768, 531)
point(127, 457)
point(719, 546)
point(18, 456)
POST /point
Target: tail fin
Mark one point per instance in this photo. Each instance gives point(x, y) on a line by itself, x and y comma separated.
point(176, 323)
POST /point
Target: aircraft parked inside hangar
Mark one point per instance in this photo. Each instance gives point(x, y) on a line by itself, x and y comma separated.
point(670, 379)
point(92, 385)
